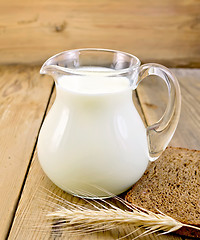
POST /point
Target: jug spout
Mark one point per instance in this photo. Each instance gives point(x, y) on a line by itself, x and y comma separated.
point(60, 63)
point(51, 69)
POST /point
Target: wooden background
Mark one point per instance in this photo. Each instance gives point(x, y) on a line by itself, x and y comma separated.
point(163, 31)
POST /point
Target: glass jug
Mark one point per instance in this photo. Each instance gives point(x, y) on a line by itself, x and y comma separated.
point(93, 142)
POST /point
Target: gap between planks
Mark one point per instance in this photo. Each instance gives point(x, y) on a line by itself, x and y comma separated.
point(30, 162)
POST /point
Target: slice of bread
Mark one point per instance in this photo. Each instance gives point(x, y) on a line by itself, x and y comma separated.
point(172, 185)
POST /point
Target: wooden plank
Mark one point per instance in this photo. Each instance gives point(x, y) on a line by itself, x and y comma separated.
point(165, 32)
point(32, 211)
point(23, 99)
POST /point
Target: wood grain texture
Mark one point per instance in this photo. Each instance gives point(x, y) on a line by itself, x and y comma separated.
point(23, 99)
point(165, 32)
point(31, 211)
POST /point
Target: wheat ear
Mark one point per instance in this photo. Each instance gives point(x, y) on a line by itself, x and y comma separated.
point(106, 216)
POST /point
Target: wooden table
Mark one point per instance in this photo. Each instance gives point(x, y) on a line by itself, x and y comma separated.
point(25, 98)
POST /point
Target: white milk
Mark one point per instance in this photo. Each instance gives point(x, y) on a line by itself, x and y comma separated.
point(93, 140)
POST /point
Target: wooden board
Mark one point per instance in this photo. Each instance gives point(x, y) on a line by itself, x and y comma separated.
point(30, 217)
point(165, 32)
point(23, 99)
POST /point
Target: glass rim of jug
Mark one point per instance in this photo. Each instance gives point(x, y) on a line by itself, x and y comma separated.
point(133, 61)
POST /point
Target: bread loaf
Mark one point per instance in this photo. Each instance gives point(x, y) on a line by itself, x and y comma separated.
point(172, 185)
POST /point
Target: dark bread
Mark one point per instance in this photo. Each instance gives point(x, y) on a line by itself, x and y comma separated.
point(172, 185)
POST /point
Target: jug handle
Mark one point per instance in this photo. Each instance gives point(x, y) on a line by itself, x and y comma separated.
point(160, 133)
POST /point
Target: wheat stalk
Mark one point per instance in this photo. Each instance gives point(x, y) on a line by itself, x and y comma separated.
point(106, 216)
